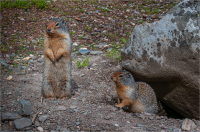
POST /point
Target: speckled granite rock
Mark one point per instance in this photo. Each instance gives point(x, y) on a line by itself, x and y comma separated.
point(165, 54)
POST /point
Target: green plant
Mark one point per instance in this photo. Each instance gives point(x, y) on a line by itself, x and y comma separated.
point(123, 40)
point(82, 64)
point(114, 54)
point(88, 28)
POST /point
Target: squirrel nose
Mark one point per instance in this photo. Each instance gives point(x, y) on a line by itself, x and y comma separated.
point(48, 30)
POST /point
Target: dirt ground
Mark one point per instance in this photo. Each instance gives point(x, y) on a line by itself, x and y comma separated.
point(90, 109)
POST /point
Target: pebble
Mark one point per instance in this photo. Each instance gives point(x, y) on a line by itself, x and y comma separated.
point(61, 107)
point(10, 116)
point(188, 125)
point(84, 51)
point(75, 44)
point(24, 107)
point(40, 129)
point(177, 130)
point(34, 41)
point(77, 123)
point(22, 123)
point(41, 59)
point(10, 78)
point(27, 58)
point(37, 123)
point(96, 52)
point(116, 125)
point(151, 117)
point(42, 118)
point(140, 125)
point(73, 107)
point(58, 128)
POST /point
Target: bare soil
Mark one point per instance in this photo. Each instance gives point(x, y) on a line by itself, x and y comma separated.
point(92, 108)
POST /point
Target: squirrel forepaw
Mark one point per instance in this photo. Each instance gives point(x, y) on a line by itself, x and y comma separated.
point(119, 105)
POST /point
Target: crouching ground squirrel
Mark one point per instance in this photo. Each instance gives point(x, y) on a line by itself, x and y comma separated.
point(138, 96)
point(57, 60)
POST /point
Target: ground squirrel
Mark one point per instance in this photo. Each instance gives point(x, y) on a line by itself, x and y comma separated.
point(57, 60)
point(138, 96)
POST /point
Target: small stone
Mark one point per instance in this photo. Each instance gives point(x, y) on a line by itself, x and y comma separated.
point(42, 118)
point(84, 51)
point(75, 44)
point(177, 130)
point(96, 11)
point(41, 59)
point(27, 58)
point(72, 107)
point(22, 123)
point(151, 117)
point(37, 123)
point(24, 107)
point(136, 12)
point(142, 11)
point(170, 128)
point(40, 129)
point(58, 128)
point(75, 110)
point(140, 125)
point(10, 78)
point(96, 52)
point(61, 107)
point(188, 125)
point(77, 123)
point(10, 116)
point(116, 125)
point(34, 41)
point(128, 121)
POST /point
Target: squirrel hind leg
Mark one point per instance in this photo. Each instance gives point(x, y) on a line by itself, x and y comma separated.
point(47, 90)
point(152, 109)
point(65, 90)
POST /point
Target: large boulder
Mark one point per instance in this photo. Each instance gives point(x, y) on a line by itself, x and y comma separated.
point(165, 54)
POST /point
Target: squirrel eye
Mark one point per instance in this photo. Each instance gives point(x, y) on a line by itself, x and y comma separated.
point(121, 76)
point(57, 24)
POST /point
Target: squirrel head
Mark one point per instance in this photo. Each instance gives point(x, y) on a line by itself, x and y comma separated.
point(122, 77)
point(55, 27)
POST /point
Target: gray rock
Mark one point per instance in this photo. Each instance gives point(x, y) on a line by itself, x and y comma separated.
point(24, 107)
point(101, 45)
point(72, 107)
point(22, 123)
point(3, 62)
point(188, 125)
point(142, 11)
point(42, 118)
point(151, 117)
point(40, 129)
point(58, 128)
point(24, 67)
point(84, 51)
point(136, 12)
point(37, 123)
point(61, 107)
point(34, 41)
point(10, 116)
point(177, 130)
point(41, 59)
point(96, 52)
point(165, 54)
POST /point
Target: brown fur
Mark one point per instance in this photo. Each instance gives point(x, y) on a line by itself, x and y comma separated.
point(138, 96)
point(57, 56)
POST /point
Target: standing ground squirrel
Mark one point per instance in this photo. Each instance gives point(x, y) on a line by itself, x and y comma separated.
point(57, 60)
point(138, 96)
